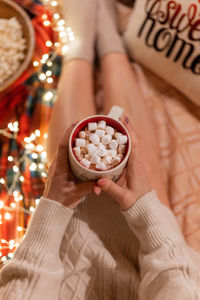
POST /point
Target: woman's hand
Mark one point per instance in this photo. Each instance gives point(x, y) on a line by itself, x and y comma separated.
point(136, 184)
point(61, 185)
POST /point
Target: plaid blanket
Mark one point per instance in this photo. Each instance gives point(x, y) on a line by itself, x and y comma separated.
point(22, 102)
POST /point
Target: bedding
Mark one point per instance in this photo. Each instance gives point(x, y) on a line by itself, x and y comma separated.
point(177, 120)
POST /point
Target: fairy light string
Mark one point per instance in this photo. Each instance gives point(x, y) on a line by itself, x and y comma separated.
point(34, 146)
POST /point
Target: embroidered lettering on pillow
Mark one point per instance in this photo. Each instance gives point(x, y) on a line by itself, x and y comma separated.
point(165, 36)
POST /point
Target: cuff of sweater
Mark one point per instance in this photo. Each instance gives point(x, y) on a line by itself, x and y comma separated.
point(152, 222)
point(47, 226)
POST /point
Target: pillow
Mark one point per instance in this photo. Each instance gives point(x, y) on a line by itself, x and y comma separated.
point(164, 36)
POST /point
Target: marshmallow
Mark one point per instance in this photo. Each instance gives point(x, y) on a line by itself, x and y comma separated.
point(92, 149)
point(101, 166)
point(95, 159)
point(82, 134)
point(106, 139)
point(77, 151)
point(100, 132)
point(117, 134)
point(113, 145)
point(116, 161)
point(102, 151)
point(107, 160)
point(122, 149)
point(110, 130)
point(80, 143)
point(113, 153)
point(85, 162)
point(95, 139)
point(122, 139)
point(101, 125)
point(92, 126)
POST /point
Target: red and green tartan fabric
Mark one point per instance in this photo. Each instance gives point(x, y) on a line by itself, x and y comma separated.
point(22, 102)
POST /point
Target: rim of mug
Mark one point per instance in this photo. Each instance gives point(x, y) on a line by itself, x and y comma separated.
point(93, 171)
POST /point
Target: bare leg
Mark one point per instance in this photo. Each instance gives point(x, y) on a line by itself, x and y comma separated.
point(121, 88)
point(75, 100)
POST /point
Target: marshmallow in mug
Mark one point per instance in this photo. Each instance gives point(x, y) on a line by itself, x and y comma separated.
point(100, 147)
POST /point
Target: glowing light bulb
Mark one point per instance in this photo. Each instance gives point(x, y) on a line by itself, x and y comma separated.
point(44, 174)
point(42, 76)
point(50, 80)
point(1, 204)
point(13, 205)
point(19, 228)
point(48, 73)
point(7, 216)
point(15, 169)
point(2, 181)
point(46, 23)
point(10, 255)
point(61, 23)
point(34, 155)
point(39, 148)
point(48, 43)
point(10, 158)
point(32, 209)
point(56, 44)
point(21, 178)
point(49, 63)
point(33, 167)
point(27, 140)
point(3, 259)
point(48, 96)
point(44, 17)
point(37, 132)
point(35, 63)
point(41, 166)
point(56, 16)
point(54, 3)
point(37, 201)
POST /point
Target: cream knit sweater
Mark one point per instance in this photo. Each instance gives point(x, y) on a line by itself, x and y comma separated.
point(100, 252)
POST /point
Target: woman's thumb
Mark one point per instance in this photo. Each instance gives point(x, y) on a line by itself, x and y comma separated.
point(111, 188)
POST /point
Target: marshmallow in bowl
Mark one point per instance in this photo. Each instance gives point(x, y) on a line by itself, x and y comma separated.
point(85, 162)
point(122, 139)
point(100, 132)
point(106, 139)
point(92, 149)
point(110, 130)
point(95, 159)
point(113, 144)
point(102, 151)
point(80, 143)
point(94, 139)
point(92, 126)
point(101, 166)
point(100, 147)
point(82, 134)
point(101, 125)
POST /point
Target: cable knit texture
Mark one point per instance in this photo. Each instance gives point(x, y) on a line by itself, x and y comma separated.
point(100, 252)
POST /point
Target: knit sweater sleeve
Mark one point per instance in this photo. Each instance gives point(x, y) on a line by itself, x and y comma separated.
point(36, 271)
point(166, 268)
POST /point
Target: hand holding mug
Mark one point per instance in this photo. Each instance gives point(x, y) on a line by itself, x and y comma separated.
point(137, 181)
point(61, 186)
